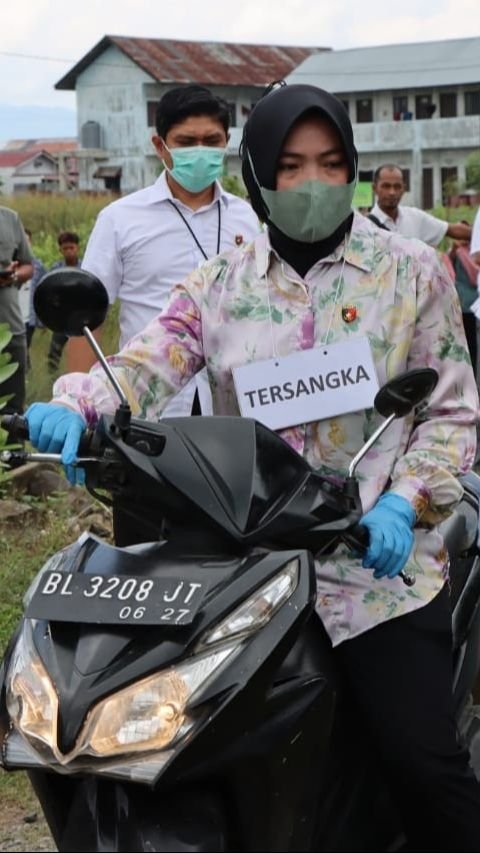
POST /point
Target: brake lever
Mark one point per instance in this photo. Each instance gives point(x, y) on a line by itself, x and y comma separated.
point(11, 457)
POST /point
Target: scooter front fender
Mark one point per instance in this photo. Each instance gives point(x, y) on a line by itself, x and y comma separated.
point(92, 815)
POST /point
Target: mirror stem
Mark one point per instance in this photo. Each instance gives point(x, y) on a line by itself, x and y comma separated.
point(366, 447)
point(123, 414)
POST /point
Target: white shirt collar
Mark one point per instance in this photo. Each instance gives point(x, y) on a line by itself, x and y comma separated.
point(384, 217)
point(160, 191)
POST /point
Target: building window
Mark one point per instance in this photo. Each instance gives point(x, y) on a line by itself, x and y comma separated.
point(472, 103)
point(448, 104)
point(346, 105)
point(365, 175)
point(364, 110)
point(449, 178)
point(406, 179)
point(427, 188)
point(151, 112)
point(400, 107)
point(424, 108)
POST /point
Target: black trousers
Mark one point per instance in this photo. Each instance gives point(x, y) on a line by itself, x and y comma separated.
point(57, 344)
point(399, 675)
point(15, 385)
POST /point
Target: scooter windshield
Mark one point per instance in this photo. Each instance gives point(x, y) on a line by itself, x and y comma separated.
point(236, 471)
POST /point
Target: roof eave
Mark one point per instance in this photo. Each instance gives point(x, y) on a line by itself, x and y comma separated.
point(69, 81)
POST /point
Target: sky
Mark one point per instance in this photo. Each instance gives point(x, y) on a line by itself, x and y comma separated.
point(40, 40)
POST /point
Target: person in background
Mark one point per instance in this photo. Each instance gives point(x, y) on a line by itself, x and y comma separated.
point(475, 241)
point(465, 276)
point(15, 269)
point(144, 244)
point(321, 275)
point(389, 187)
point(69, 246)
point(32, 321)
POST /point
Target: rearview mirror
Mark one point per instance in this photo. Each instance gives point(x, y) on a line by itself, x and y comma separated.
point(68, 299)
point(396, 399)
point(402, 394)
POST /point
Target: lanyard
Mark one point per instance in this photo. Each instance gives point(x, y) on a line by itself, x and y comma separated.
point(192, 232)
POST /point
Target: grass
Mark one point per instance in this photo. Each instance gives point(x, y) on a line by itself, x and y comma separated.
point(24, 547)
point(39, 379)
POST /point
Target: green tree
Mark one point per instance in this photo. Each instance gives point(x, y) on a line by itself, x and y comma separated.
point(472, 171)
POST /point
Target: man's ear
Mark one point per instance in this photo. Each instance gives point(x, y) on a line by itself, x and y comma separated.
point(159, 146)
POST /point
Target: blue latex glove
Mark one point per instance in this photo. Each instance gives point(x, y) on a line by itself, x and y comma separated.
point(389, 524)
point(56, 429)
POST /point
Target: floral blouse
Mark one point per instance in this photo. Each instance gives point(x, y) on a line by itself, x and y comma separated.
point(247, 305)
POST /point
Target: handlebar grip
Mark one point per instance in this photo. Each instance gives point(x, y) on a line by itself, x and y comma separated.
point(16, 426)
point(357, 538)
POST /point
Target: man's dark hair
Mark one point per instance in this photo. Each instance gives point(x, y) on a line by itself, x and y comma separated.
point(185, 101)
point(68, 237)
point(376, 174)
point(28, 232)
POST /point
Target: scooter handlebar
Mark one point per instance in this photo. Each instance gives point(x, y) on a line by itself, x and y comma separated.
point(17, 428)
point(357, 538)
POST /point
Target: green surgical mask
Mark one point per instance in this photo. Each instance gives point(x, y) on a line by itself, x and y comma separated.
point(310, 212)
point(197, 167)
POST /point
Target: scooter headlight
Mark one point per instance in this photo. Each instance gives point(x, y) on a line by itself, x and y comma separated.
point(151, 713)
point(257, 610)
point(32, 702)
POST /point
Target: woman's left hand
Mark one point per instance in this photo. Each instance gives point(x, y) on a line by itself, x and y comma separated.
point(389, 524)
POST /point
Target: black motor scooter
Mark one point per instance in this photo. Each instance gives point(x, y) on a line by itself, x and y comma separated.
point(179, 694)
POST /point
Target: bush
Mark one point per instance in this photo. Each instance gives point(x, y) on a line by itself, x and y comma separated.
point(233, 184)
point(45, 215)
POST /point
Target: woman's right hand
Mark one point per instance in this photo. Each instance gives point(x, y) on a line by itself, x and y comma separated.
point(56, 429)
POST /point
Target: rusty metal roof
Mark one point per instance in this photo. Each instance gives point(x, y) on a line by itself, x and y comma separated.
point(51, 144)
point(10, 159)
point(214, 63)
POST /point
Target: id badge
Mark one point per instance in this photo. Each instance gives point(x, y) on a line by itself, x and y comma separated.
point(309, 385)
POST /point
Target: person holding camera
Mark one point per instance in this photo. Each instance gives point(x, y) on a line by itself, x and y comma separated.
point(15, 269)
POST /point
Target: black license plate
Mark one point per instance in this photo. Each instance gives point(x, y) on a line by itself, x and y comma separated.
point(115, 599)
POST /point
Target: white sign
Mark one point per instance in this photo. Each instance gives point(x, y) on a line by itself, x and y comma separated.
point(309, 385)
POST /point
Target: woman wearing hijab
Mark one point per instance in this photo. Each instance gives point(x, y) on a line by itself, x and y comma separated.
point(321, 276)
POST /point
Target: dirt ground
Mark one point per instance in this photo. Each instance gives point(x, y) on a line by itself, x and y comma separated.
point(23, 829)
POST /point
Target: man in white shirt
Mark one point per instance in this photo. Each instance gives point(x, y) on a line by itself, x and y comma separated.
point(389, 187)
point(145, 243)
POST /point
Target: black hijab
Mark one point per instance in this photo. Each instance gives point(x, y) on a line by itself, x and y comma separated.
point(264, 135)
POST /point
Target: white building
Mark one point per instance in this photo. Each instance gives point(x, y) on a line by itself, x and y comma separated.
point(416, 105)
point(32, 165)
point(118, 85)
